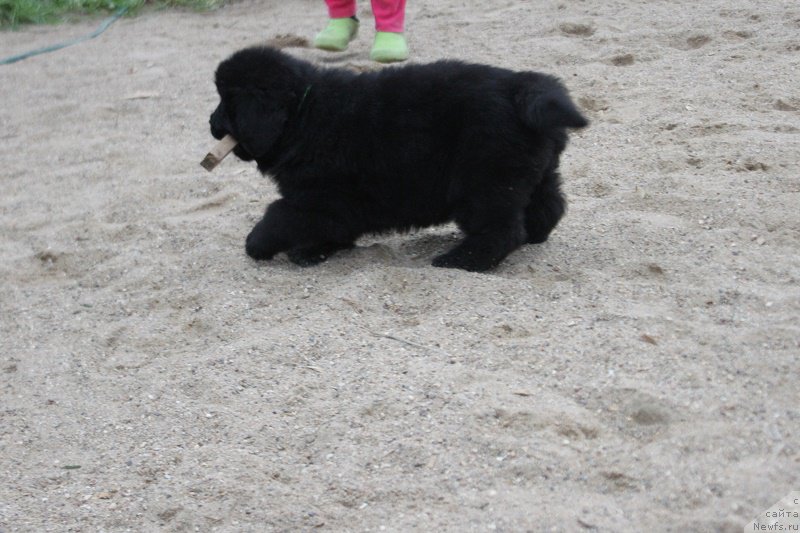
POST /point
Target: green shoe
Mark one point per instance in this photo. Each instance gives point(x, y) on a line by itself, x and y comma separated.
point(337, 34)
point(389, 47)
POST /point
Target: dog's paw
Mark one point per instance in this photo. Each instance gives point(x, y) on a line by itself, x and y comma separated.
point(537, 238)
point(258, 249)
point(257, 252)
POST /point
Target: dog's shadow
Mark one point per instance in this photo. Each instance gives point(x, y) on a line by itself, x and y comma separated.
point(415, 250)
point(402, 250)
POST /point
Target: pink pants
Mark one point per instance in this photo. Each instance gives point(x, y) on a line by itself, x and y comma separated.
point(389, 14)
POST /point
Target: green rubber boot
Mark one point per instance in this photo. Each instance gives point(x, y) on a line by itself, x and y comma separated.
point(337, 34)
point(389, 47)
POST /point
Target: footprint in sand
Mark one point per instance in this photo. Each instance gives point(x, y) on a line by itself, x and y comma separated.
point(215, 202)
point(737, 35)
point(577, 29)
point(783, 105)
point(692, 42)
point(288, 40)
point(697, 41)
point(632, 412)
point(622, 60)
point(590, 103)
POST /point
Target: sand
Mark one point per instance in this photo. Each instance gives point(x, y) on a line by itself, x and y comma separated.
point(637, 372)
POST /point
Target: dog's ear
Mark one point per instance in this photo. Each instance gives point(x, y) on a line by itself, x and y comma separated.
point(258, 120)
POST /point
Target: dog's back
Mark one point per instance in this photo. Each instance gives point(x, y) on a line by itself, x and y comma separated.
point(540, 100)
point(424, 135)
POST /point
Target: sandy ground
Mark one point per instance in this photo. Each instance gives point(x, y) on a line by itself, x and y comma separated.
point(637, 372)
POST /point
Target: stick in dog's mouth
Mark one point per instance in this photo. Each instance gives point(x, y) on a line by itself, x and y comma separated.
point(218, 153)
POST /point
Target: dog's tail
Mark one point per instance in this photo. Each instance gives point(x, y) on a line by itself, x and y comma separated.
point(544, 108)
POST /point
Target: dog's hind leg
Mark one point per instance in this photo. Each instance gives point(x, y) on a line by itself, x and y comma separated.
point(545, 209)
point(489, 240)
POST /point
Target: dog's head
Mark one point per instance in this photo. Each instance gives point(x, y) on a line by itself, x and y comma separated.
point(259, 89)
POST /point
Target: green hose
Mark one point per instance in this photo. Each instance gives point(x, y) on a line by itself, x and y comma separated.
point(100, 29)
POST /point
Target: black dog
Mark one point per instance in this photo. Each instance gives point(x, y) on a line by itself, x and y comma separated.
point(397, 149)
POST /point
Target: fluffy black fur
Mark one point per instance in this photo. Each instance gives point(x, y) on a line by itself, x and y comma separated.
point(401, 148)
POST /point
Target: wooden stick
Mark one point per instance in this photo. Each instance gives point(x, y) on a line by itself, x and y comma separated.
point(218, 153)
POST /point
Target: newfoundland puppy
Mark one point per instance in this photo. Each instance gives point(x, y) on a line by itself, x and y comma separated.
point(396, 149)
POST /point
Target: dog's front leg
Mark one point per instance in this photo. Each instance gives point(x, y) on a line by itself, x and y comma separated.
point(309, 234)
point(271, 235)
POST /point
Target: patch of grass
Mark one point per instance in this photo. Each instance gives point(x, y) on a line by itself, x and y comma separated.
point(16, 12)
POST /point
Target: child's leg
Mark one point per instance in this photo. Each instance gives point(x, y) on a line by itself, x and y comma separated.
point(339, 9)
point(390, 44)
point(389, 14)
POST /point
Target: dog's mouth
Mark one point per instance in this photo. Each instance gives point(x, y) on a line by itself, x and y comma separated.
point(241, 153)
point(218, 131)
point(238, 150)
